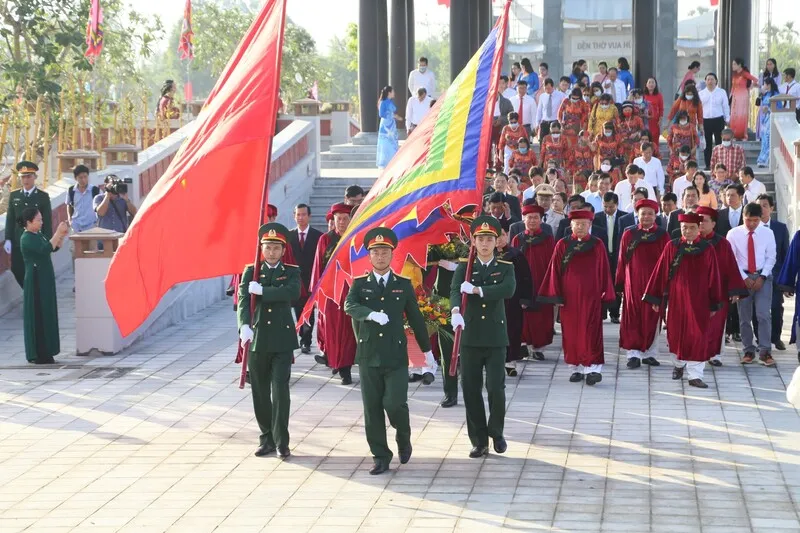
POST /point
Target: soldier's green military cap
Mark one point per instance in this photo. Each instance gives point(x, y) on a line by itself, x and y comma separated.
point(273, 232)
point(485, 225)
point(27, 167)
point(380, 237)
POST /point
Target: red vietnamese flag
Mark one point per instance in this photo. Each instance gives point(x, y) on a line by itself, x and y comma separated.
point(201, 219)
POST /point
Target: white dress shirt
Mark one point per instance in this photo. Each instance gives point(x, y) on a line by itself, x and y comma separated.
point(764, 240)
point(620, 94)
point(528, 109)
point(542, 113)
point(611, 221)
point(792, 89)
point(678, 186)
point(752, 190)
point(595, 199)
point(653, 172)
point(624, 190)
point(416, 110)
point(715, 104)
point(735, 215)
point(384, 277)
point(510, 93)
point(417, 79)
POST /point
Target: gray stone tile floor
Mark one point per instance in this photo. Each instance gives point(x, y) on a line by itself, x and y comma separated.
point(168, 447)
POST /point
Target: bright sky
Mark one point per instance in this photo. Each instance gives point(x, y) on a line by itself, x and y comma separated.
point(329, 21)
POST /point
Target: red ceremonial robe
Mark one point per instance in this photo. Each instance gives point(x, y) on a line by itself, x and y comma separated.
point(639, 251)
point(579, 277)
point(334, 328)
point(732, 285)
point(691, 291)
point(538, 320)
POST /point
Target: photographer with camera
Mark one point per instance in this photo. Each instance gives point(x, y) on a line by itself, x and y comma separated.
point(113, 206)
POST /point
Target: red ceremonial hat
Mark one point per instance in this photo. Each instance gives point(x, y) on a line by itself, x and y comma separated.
point(529, 209)
point(272, 211)
point(581, 214)
point(703, 210)
point(341, 208)
point(690, 218)
point(328, 216)
point(645, 202)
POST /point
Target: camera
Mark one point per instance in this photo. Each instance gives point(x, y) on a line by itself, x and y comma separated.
point(114, 185)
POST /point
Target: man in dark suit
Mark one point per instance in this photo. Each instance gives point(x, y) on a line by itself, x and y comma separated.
point(576, 201)
point(731, 216)
point(303, 240)
point(501, 186)
point(518, 227)
point(691, 197)
point(497, 209)
point(781, 233)
point(609, 221)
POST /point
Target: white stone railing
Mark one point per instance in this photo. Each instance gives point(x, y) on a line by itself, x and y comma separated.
point(785, 160)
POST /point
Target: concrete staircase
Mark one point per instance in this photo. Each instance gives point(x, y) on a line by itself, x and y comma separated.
point(347, 156)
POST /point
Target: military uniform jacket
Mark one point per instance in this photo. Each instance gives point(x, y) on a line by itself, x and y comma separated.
point(384, 346)
point(485, 318)
point(17, 202)
point(274, 327)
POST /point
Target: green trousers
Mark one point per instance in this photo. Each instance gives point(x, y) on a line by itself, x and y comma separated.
point(385, 390)
point(473, 361)
point(449, 383)
point(269, 381)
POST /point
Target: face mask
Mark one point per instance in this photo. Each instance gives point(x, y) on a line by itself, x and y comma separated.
point(684, 122)
point(598, 93)
point(574, 100)
point(638, 100)
point(514, 125)
point(523, 150)
point(690, 97)
point(726, 143)
point(603, 106)
point(423, 69)
point(586, 98)
point(605, 168)
point(628, 112)
point(684, 157)
point(608, 133)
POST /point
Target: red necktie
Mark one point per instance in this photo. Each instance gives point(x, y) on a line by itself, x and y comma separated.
point(751, 253)
point(521, 120)
point(302, 239)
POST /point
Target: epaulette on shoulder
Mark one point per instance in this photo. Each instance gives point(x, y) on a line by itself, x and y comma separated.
point(361, 276)
point(463, 259)
point(403, 277)
point(290, 265)
point(505, 262)
point(249, 265)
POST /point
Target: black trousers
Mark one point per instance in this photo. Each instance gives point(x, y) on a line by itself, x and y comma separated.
point(713, 131)
point(544, 129)
point(305, 329)
point(732, 322)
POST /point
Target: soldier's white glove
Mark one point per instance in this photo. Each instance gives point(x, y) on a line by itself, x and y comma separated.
point(457, 321)
point(467, 287)
point(255, 288)
point(7, 247)
point(380, 318)
point(430, 362)
point(246, 334)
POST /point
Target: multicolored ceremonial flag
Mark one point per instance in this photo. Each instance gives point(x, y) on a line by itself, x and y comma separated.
point(94, 32)
point(186, 43)
point(439, 170)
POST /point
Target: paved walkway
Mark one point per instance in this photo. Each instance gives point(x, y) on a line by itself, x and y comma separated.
point(160, 439)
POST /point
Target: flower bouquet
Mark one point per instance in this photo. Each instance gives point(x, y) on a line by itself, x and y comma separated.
point(436, 312)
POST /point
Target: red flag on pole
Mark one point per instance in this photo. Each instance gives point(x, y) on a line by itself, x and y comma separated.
point(186, 43)
point(201, 219)
point(94, 32)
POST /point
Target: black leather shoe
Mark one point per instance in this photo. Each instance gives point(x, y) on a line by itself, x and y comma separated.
point(405, 455)
point(264, 449)
point(615, 320)
point(780, 346)
point(427, 378)
point(539, 356)
point(500, 445)
point(594, 377)
point(413, 378)
point(378, 468)
point(715, 362)
point(652, 361)
point(478, 451)
point(51, 361)
point(347, 378)
point(511, 372)
point(321, 359)
point(634, 362)
point(698, 383)
point(677, 373)
point(576, 377)
point(284, 453)
point(305, 349)
point(737, 337)
point(450, 401)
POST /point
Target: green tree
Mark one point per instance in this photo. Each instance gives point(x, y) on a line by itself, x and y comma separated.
point(437, 50)
point(342, 65)
point(784, 46)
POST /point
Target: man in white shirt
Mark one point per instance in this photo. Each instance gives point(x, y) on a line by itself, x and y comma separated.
point(680, 184)
point(524, 105)
point(716, 113)
point(624, 189)
point(595, 198)
point(592, 186)
point(547, 110)
point(615, 86)
point(653, 169)
point(422, 77)
point(506, 89)
point(753, 245)
point(417, 108)
point(791, 87)
point(752, 187)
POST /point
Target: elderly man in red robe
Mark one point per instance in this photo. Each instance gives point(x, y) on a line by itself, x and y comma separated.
point(537, 247)
point(687, 281)
point(578, 280)
point(335, 329)
point(639, 251)
point(729, 276)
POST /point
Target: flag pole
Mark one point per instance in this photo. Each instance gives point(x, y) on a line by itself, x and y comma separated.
point(244, 349)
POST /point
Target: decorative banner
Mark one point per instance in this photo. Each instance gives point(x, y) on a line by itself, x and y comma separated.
point(186, 43)
point(94, 32)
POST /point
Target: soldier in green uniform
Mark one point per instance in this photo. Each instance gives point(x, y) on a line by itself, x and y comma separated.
point(274, 339)
point(484, 338)
point(376, 302)
point(28, 196)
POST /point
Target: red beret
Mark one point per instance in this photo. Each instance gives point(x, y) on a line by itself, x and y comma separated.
point(272, 211)
point(530, 209)
point(328, 216)
point(341, 208)
point(645, 202)
point(703, 210)
point(690, 218)
point(581, 214)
